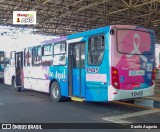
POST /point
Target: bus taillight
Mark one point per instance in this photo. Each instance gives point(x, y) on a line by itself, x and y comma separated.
point(153, 76)
point(115, 78)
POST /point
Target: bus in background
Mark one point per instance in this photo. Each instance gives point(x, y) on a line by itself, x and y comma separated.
point(110, 63)
point(9, 72)
point(2, 65)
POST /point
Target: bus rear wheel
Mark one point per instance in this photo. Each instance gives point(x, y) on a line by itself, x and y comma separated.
point(56, 93)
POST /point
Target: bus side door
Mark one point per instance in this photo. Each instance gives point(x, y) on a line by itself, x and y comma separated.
point(77, 69)
point(19, 69)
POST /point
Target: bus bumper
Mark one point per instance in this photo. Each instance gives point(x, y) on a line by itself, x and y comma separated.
point(118, 94)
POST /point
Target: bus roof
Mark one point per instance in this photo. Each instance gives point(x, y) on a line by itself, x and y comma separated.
point(89, 32)
point(103, 29)
point(63, 38)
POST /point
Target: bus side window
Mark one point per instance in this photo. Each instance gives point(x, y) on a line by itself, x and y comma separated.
point(47, 55)
point(59, 53)
point(27, 57)
point(36, 56)
point(95, 50)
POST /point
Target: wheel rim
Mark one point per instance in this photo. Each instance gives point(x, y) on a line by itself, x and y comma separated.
point(55, 92)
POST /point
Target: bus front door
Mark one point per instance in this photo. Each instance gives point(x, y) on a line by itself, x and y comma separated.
point(19, 70)
point(77, 69)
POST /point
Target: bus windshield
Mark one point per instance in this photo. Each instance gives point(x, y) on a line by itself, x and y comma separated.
point(135, 42)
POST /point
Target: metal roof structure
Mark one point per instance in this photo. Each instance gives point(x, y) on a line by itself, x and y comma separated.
point(62, 17)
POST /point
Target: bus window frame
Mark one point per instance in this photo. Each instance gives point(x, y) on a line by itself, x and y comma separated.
point(30, 48)
point(61, 53)
point(150, 32)
point(97, 35)
point(37, 65)
point(42, 50)
point(50, 44)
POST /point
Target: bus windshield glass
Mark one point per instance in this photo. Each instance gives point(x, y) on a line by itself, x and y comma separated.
point(136, 42)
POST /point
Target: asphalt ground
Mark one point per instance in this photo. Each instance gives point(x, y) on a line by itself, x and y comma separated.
point(36, 107)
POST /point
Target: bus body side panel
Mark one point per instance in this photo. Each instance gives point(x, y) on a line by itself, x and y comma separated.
point(59, 73)
point(27, 77)
point(36, 78)
point(8, 74)
point(96, 76)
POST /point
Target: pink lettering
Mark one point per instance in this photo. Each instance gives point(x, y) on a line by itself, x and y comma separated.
point(22, 15)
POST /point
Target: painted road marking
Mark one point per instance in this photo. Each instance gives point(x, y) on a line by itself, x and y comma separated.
point(152, 98)
point(134, 105)
point(118, 118)
point(115, 120)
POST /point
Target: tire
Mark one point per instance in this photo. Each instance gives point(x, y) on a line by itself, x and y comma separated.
point(131, 101)
point(1, 80)
point(18, 89)
point(56, 93)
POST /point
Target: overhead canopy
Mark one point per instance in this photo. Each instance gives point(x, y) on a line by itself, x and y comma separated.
point(62, 17)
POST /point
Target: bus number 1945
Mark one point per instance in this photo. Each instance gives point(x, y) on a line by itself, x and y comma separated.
point(137, 94)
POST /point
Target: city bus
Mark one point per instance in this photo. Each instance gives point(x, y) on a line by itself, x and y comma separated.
point(2, 54)
point(114, 62)
point(9, 71)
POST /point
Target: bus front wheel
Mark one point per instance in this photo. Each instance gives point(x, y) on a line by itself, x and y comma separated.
point(56, 93)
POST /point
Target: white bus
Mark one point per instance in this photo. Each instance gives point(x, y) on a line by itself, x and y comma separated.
point(9, 72)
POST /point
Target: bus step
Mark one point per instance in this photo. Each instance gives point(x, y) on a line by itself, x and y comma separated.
point(77, 99)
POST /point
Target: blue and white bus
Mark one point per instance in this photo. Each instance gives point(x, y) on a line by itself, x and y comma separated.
point(109, 63)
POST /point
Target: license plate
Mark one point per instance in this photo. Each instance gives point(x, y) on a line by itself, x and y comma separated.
point(136, 72)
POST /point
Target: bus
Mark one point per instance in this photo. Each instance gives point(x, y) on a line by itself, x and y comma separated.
point(114, 62)
point(2, 54)
point(9, 71)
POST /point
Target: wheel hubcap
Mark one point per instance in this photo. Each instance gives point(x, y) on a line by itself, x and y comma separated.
point(55, 92)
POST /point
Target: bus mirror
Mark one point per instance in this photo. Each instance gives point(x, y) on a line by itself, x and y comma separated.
point(112, 32)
